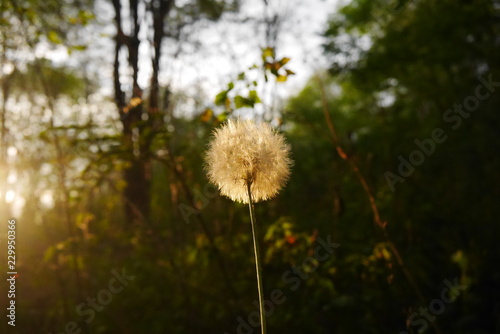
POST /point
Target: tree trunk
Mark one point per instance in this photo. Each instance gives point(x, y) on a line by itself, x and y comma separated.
point(138, 131)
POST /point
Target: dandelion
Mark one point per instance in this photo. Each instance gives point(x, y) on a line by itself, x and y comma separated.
point(249, 162)
point(244, 152)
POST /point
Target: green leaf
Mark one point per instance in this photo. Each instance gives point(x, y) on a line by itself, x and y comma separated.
point(254, 96)
point(220, 99)
point(79, 47)
point(267, 52)
point(281, 78)
point(86, 16)
point(54, 37)
point(49, 254)
point(284, 60)
point(239, 102)
point(222, 117)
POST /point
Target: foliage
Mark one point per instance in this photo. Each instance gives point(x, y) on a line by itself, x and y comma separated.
point(243, 92)
point(395, 72)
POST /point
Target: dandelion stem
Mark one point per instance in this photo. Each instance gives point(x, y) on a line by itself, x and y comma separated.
point(258, 265)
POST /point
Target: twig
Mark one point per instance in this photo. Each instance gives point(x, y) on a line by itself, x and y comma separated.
point(369, 193)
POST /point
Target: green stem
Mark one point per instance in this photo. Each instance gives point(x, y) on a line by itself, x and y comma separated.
point(258, 266)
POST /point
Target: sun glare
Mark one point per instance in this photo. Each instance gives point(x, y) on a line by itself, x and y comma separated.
point(47, 199)
point(10, 196)
point(12, 178)
point(12, 151)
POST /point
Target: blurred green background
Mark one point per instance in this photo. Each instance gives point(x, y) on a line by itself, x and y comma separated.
point(395, 138)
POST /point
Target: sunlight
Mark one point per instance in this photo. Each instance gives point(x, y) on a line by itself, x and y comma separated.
point(12, 151)
point(47, 199)
point(18, 205)
point(10, 196)
point(7, 68)
point(356, 138)
point(12, 177)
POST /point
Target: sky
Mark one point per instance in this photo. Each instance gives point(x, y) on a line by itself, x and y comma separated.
point(214, 56)
point(232, 47)
point(215, 53)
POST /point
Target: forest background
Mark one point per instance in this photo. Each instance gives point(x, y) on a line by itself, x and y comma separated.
point(388, 224)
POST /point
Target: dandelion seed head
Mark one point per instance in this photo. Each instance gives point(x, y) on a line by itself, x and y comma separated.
point(245, 151)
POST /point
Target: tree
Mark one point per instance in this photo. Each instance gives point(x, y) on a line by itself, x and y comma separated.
point(142, 121)
point(409, 74)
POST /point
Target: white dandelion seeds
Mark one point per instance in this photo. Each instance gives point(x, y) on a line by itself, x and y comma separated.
point(245, 152)
point(249, 162)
